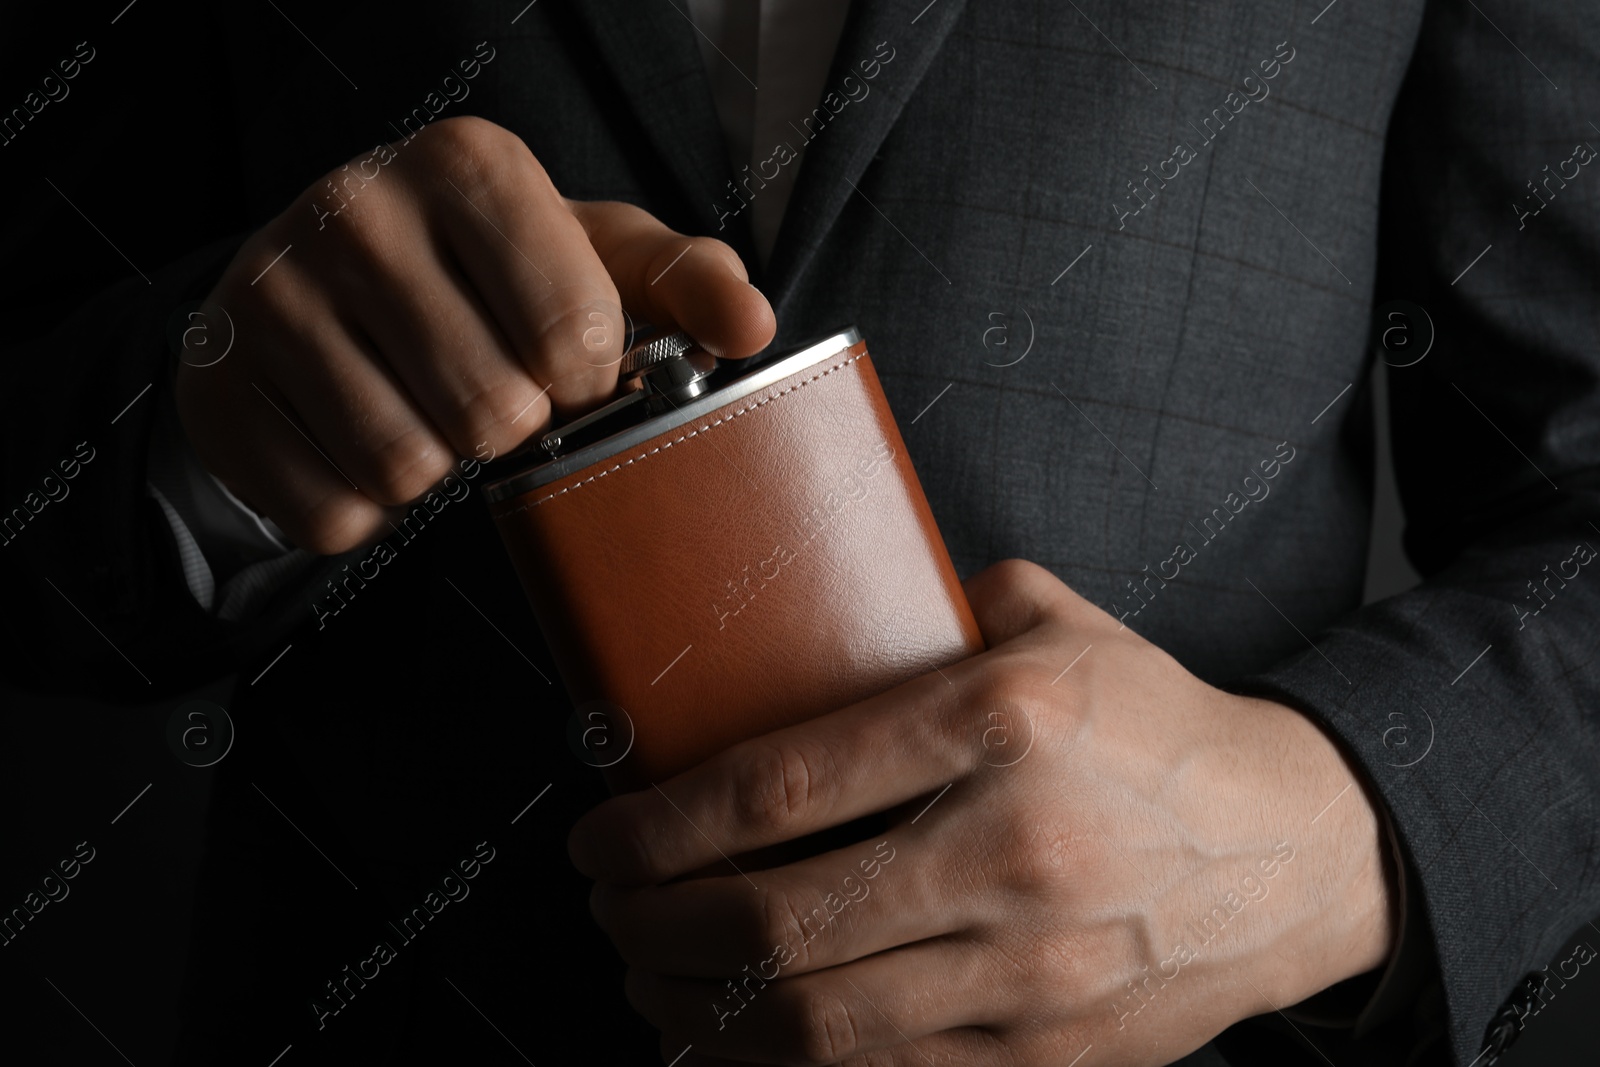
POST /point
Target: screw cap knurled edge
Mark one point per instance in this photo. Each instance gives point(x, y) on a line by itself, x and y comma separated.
point(662, 348)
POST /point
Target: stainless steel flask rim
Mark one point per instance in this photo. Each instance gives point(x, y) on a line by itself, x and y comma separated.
point(543, 473)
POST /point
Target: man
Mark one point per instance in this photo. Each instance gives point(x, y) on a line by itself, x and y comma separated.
point(1181, 212)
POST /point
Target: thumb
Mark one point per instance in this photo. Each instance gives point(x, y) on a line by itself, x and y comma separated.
point(697, 284)
point(1012, 597)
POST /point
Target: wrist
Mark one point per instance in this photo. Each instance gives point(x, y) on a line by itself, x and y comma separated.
point(1345, 918)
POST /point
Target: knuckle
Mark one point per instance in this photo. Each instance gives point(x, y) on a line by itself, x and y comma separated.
point(471, 133)
point(993, 706)
point(479, 156)
point(828, 1030)
point(405, 467)
point(577, 363)
point(760, 791)
point(501, 414)
point(345, 204)
point(333, 526)
point(779, 923)
point(1000, 690)
point(1017, 571)
point(258, 287)
point(604, 333)
point(565, 328)
point(370, 234)
point(462, 131)
point(1053, 969)
point(778, 786)
point(1038, 859)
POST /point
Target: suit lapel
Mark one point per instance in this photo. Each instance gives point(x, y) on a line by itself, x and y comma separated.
point(652, 54)
point(838, 154)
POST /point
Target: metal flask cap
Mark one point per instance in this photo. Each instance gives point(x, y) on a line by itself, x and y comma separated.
point(657, 376)
point(681, 394)
point(667, 346)
point(673, 369)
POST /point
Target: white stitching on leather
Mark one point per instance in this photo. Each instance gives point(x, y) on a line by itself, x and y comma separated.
point(679, 440)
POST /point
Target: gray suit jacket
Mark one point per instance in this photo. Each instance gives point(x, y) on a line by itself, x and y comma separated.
point(1116, 263)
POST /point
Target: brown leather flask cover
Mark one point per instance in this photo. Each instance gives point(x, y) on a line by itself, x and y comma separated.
point(766, 562)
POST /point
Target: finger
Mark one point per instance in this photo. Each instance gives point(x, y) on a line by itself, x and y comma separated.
point(264, 456)
point(919, 736)
point(439, 339)
point(897, 998)
point(365, 424)
point(807, 916)
point(698, 284)
point(530, 261)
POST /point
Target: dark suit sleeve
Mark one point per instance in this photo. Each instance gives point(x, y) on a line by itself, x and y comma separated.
point(94, 587)
point(116, 218)
point(1497, 448)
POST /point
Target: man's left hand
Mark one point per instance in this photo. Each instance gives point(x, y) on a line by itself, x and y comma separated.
point(1088, 846)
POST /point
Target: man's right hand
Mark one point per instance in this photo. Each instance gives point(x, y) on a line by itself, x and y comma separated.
point(453, 305)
